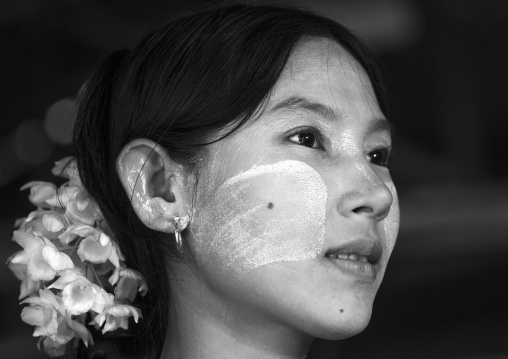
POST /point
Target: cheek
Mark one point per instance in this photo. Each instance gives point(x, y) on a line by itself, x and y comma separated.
point(392, 221)
point(270, 213)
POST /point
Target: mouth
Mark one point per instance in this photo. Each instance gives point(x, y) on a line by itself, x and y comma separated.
point(358, 258)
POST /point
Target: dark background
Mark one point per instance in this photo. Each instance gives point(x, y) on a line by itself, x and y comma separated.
point(445, 294)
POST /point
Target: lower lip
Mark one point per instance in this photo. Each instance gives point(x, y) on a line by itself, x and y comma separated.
point(361, 270)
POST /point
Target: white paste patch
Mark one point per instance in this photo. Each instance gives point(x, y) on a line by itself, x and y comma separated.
point(270, 213)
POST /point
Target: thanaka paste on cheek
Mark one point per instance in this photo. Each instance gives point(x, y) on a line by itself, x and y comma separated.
point(270, 213)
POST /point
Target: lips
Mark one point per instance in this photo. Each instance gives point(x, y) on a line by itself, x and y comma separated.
point(358, 257)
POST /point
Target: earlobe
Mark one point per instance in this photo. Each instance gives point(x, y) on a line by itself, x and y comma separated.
point(154, 183)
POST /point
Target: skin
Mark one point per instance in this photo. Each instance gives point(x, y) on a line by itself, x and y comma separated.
point(226, 309)
point(254, 218)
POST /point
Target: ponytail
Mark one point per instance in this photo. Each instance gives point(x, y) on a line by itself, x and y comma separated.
point(96, 142)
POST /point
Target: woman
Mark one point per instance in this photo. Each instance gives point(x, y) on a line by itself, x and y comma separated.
point(251, 187)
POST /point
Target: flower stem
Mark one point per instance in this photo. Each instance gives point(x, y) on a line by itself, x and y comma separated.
point(95, 275)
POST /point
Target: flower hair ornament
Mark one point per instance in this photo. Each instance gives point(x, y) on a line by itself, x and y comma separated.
point(71, 269)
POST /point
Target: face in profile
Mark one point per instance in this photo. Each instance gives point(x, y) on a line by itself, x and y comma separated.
point(295, 215)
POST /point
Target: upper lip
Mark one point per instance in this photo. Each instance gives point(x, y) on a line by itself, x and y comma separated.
point(367, 247)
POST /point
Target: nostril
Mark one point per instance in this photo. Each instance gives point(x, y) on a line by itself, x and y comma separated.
point(363, 209)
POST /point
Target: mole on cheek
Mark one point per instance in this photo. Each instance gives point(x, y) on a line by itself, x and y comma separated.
point(270, 205)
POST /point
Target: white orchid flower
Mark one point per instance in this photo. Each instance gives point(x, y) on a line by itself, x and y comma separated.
point(50, 223)
point(43, 313)
point(116, 316)
point(67, 168)
point(47, 312)
point(40, 256)
point(68, 239)
point(78, 205)
point(28, 286)
point(42, 194)
point(76, 230)
point(79, 295)
point(128, 283)
point(95, 248)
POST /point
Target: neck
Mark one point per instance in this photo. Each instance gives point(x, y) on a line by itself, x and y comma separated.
point(202, 326)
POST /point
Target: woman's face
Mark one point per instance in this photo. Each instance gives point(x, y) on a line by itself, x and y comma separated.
point(295, 215)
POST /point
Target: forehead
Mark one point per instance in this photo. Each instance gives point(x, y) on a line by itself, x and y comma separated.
point(323, 70)
point(317, 54)
point(311, 50)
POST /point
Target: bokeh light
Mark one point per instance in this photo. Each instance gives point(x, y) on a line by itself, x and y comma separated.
point(59, 120)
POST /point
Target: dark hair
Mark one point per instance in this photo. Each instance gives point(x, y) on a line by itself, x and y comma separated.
point(194, 76)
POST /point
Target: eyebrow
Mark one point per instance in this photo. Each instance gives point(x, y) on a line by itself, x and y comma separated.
point(301, 103)
point(380, 125)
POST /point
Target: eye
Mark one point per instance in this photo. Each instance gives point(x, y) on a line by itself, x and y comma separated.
point(306, 138)
point(380, 157)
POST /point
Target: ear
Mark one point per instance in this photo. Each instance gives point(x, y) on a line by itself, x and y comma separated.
point(158, 187)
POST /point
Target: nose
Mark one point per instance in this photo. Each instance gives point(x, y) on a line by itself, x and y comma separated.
point(367, 197)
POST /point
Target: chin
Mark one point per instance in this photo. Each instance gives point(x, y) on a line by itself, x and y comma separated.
point(341, 325)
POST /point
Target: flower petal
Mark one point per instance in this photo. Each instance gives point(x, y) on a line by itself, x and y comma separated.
point(78, 296)
point(113, 257)
point(81, 211)
point(67, 194)
point(56, 259)
point(113, 323)
point(52, 223)
point(126, 289)
point(28, 287)
point(67, 168)
point(115, 276)
point(42, 220)
point(65, 333)
point(66, 276)
point(19, 221)
point(99, 319)
point(80, 329)
point(82, 200)
point(102, 300)
point(91, 250)
point(28, 241)
point(67, 237)
point(74, 231)
point(38, 268)
point(104, 239)
point(36, 315)
point(35, 300)
point(43, 318)
point(48, 297)
point(131, 281)
point(32, 215)
point(52, 348)
point(19, 262)
point(41, 193)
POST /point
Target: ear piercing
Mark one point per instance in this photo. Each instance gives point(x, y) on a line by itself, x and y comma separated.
point(180, 224)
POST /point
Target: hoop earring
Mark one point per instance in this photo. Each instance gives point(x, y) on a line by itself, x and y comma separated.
point(180, 224)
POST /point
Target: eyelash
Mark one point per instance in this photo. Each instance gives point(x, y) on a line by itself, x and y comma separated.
point(316, 137)
point(383, 159)
point(379, 157)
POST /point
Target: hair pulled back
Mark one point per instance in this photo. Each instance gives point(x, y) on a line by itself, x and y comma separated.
point(192, 77)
